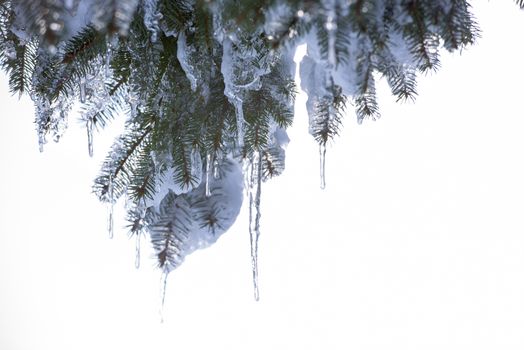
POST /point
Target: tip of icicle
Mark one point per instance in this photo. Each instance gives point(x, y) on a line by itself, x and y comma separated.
point(256, 294)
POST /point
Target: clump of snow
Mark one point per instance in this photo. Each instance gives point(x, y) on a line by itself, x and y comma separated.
point(210, 216)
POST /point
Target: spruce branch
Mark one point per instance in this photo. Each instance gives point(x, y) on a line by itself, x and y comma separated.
point(119, 166)
point(328, 113)
point(169, 231)
point(21, 66)
point(189, 73)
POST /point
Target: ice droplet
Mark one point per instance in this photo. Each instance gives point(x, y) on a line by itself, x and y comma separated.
point(255, 187)
point(322, 151)
point(163, 287)
point(137, 250)
point(89, 127)
point(208, 171)
point(110, 221)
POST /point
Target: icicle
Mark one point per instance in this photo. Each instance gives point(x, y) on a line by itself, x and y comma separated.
point(331, 27)
point(322, 151)
point(163, 287)
point(107, 66)
point(196, 164)
point(137, 251)
point(151, 17)
point(254, 222)
point(41, 141)
point(231, 90)
point(82, 91)
point(240, 122)
point(208, 171)
point(110, 221)
point(216, 170)
point(89, 126)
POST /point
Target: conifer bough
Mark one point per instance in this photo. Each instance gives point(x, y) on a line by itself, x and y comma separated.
point(207, 87)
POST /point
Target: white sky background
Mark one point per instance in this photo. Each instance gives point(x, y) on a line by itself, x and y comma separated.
point(416, 243)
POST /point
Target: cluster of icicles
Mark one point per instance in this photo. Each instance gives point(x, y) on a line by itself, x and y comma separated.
point(93, 90)
point(93, 94)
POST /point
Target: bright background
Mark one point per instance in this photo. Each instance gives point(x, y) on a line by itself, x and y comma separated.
point(416, 243)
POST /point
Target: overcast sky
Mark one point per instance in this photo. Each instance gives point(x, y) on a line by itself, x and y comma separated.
point(416, 243)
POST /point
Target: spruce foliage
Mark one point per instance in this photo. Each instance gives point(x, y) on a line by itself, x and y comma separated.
point(206, 85)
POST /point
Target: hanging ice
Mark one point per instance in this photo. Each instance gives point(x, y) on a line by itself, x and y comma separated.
point(163, 287)
point(137, 250)
point(322, 151)
point(208, 171)
point(230, 90)
point(41, 141)
point(216, 170)
point(110, 220)
point(255, 187)
point(151, 16)
point(240, 122)
point(51, 120)
point(196, 165)
point(89, 127)
point(331, 27)
point(107, 66)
